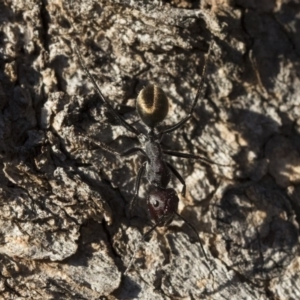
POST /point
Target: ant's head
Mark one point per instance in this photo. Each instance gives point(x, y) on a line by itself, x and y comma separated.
point(152, 105)
point(162, 203)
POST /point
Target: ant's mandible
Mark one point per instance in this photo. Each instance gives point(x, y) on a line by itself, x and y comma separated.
point(152, 106)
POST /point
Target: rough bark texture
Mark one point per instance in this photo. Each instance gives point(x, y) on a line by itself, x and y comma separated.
point(65, 230)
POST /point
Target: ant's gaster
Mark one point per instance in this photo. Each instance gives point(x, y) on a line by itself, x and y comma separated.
point(152, 106)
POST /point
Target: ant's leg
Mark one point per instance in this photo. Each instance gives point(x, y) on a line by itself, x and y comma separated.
point(178, 176)
point(125, 153)
point(137, 186)
point(187, 155)
point(139, 175)
point(105, 147)
point(110, 108)
point(199, 91)
point(133, 151)
point(176, 126)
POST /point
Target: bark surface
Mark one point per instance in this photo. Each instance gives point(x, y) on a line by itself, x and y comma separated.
point(65, 190)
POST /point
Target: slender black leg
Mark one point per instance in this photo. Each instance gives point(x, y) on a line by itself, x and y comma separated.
point(137, 186)
point(199, 91)
point(128, 152)
point(105, 147)
point(177, 125)
point(110, 108)
point(187, 155)
point(179, 177)
point(133, 151)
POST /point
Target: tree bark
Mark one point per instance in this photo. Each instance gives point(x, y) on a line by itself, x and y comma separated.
point(66, 230)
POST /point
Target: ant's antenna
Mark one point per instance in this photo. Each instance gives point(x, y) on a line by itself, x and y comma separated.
point(153, 228)
point(195, 231)
point(138, 246)
point(199, 240)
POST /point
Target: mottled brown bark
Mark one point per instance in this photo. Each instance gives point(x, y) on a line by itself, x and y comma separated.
point(64, 193)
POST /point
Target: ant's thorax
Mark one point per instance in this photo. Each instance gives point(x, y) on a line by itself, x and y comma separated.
point(157, 171)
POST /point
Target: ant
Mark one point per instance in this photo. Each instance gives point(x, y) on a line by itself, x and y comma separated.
point(152, 106)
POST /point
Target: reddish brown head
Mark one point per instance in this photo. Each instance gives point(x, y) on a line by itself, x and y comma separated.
point(162, 203)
